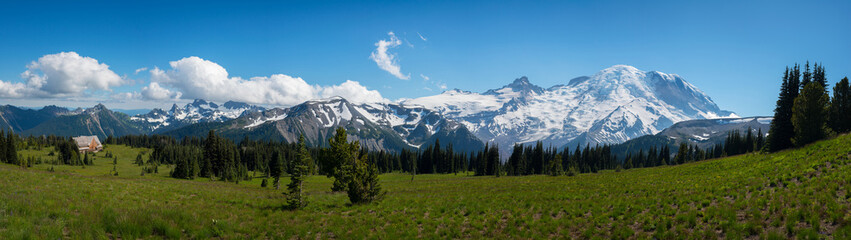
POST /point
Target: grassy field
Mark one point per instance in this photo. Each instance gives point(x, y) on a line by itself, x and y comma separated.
point(804, 194)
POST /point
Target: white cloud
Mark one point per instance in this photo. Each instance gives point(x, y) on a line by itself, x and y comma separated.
point(13, 90)
point(353, 91)
point(385, 60)
point(421, 37)
point(154, 92)
point(194, 77)
point(127, 96)
point(68, 74)
point(424, 77)
point(140, 70)
point(442, 86)
point(65, 74)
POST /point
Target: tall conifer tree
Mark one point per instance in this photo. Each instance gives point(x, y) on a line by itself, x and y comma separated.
point(296, 198)
point(840, 107)
point(781, 130)
point(809, 115)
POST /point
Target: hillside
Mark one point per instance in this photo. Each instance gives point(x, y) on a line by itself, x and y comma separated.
point(18, 119)
point(801, 193)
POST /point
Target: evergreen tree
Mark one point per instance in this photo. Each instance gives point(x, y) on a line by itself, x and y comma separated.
point(11, 153)
point(296, 198)
point(555, 168)
point(809, 115)
point(781, 130)
point(807, 77)
point(493, 166)
point(210, 155)
point(343, 158)
point(818, 75)
point(682, 153)
point(276, 167)
point(139, 160)
point(362, 181)
point(3, 147)
point(840, 107)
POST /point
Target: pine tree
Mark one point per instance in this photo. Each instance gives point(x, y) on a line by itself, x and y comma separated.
point(493, 161)
point(840, 107)
point(211, 157)
point(681, 153)
point(781, 130)
point(343, 158)
point(296, 198)
point(139, 160)
point(807, 77)
point(276, 168)
point(3, 148)
point(818, 75)
point(363, 186)
point(11, 153)
point(555, 168)
point(809, 115)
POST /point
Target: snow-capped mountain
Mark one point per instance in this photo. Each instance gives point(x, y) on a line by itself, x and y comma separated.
point(378, 126)
point(199, 110)
point(611, 106)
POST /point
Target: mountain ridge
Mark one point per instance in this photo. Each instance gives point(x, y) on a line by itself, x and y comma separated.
point(613, 105)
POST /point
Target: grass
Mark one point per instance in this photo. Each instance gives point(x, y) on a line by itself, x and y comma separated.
point(803, 193)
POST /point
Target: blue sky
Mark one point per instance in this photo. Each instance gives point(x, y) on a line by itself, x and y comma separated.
point(735, 51)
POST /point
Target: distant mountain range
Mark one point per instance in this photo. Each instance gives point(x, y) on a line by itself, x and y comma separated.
point(703, 133)
point(199, 111)
point(378, 126)
point(613, 106)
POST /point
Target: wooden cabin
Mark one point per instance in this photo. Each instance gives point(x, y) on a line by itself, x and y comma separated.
point(88, 144)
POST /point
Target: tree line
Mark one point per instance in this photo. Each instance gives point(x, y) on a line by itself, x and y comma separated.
point(804, 112)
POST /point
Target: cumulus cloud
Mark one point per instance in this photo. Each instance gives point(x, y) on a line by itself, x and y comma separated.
point(154, 92)
point(386, 60)
point(13, 90)
point(140, 70)
point(65, 74)
point(194, 77)
point(424, 77)
point(69, 74)
point(353, 91)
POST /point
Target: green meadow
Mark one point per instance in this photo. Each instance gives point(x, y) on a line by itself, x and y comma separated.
point(803, 193)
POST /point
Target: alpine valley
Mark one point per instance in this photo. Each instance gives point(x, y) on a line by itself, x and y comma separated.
point(610, 107)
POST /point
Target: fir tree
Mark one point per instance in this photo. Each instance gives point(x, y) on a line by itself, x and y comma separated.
point(840, 107)
point(139, 160)
point(554, 167)
point(276, 168)
point(818, 75)
point(781, 130)
point(809, 115)
point(11, 153)
point(363, 186)
point(296, 198)
point(807, 77)
point(343, 158)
